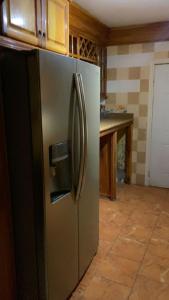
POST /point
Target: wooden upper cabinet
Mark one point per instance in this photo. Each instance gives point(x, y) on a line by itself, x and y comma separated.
point(56, 25)
point(43, 23)
point(22, 20)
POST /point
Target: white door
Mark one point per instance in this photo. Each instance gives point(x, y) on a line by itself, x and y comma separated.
point(159, 156)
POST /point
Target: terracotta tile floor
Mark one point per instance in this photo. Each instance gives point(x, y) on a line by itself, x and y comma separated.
point(132, 262)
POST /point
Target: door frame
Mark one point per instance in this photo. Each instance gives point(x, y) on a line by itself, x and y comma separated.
point(150, 115)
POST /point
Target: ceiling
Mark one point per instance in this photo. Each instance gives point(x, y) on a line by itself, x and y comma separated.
point(114, 13)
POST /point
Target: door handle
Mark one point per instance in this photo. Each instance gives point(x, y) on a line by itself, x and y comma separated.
point(82, 137)
point(85, 142)
point(73, 142)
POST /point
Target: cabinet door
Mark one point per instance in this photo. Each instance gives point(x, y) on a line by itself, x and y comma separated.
point(57, 25)
point(22, 20)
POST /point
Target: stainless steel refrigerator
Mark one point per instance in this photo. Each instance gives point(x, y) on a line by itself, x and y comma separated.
point(51, 108)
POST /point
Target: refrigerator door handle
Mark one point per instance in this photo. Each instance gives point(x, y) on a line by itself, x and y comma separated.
point(73, 143)
point(82, 136)
point(84, 158)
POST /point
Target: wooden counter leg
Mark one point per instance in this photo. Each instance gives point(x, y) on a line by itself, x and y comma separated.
point(105, 154)
point(113, 165)
point(128, 154)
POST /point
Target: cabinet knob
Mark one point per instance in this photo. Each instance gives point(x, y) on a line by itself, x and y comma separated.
point(39, 32)
point(44, 34)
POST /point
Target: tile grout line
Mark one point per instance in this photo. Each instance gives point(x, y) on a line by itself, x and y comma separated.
point(141, 262)
point(121, 227)
point(132, 287)
point(120, 232)
point(147, 245)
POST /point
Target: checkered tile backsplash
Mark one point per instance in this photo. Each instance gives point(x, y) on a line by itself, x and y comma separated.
point(128, 84)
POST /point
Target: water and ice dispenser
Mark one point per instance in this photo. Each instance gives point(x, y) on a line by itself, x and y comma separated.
point(60, 167)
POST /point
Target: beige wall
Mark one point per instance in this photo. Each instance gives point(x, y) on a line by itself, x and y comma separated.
point(128, 84)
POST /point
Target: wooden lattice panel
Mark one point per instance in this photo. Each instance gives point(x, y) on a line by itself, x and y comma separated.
point(87, 49)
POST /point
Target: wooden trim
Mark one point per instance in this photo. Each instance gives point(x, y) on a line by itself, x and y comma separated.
point(104, 166)
point(14, 44)
point(83, 23)
point(113, 165)
point(128, 154)
point(102, 62)
point(115, 128)
point(138, 34)
point(104, 195)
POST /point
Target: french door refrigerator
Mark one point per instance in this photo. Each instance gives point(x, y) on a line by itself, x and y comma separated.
point(51, 107)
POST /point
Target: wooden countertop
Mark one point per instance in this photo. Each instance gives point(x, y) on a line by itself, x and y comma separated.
point(113, 122)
